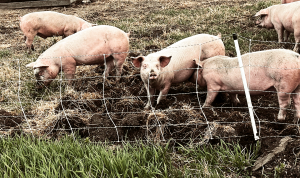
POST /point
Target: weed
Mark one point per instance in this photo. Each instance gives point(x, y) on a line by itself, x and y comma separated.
point(279, 170)
point(4, 53)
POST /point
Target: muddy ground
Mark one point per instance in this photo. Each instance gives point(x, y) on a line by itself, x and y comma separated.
point(118, 114)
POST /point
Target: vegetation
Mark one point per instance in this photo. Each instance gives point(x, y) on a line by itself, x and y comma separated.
point(26, 156)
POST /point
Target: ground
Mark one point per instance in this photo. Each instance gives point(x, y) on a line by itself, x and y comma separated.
point(119, 113)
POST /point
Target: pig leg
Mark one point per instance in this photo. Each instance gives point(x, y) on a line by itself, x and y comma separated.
point(29, 36)
point(150, 93)
point(163, 93)
point(297, 39)
point(234, 99)
point(286, 35)
point(119, 61)
point(279, 29)
point(109, 63)
point(284, 99)
point(29, 41)
point(296, 98)
point(211, 95)
point(69, 72)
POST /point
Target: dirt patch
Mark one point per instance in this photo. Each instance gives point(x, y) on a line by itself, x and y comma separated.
point(10, 123)
point(8, 119)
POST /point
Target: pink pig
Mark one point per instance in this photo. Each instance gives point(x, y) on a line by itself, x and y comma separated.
point(284, 18)
point(103, 45)
point(287, 1)
point(48, 23)
point(174, 64)
point(271, 70)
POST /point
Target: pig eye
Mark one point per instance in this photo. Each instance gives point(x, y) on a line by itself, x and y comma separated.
point(157, 66)
point(144, 66)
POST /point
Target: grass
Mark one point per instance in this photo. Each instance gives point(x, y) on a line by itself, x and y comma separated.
point(4, 53)
point(25, 156)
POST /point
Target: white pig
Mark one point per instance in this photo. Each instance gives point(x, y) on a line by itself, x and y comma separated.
point(48, 23)
point(103, 45)
point(284, 18)
point(271, 70)
point(174, 64)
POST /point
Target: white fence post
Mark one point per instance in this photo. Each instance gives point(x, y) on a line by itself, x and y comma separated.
point(250, 107)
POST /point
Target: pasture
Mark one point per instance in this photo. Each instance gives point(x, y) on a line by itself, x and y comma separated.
point(100, 110)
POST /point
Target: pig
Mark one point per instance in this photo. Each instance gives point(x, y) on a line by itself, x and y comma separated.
point(174, 64)
point(48, 23)
point(284, 18)
point(103, 45)
point(271, 70)
point(287, 1)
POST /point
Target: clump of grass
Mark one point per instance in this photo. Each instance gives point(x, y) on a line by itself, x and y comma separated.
point(4, 53)
point(221, 159)
point(34, 157)
point(26, 156)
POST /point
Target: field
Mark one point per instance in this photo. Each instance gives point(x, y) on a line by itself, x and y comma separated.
point(102, 110)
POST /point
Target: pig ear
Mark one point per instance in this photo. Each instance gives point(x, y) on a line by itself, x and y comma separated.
point(128, 34)
point(164, 60)
point(198, 63)
point(36, 65)
point(30, 65)
point(85, 26)
point(137, 61)
point(262, 12)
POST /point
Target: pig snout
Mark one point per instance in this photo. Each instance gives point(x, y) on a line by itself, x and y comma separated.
point(259, 23)
point(41, 79)
point(152, 75)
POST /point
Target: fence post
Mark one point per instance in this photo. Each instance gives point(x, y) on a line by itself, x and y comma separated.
point(250, 107)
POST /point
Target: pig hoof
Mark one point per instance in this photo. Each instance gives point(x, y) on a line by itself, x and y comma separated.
point(281, 118)
point(236, 103)
point(147, 107)
point(206, 106)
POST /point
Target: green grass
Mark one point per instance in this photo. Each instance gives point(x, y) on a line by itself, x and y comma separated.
point(25, 156)
point(4, 53)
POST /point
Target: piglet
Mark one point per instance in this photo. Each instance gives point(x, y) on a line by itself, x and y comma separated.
point(103, 45)
point(48, 23)
point(284, 18)
point(174, 64)
point(271, 70)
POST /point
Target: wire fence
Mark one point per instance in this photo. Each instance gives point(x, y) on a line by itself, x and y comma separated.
point(98, 107)
point(99, 114)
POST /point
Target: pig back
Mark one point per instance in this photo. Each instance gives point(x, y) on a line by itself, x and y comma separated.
point(183, 52)
point(47, 23)
point(89, 45)
point(286, 15)
point(262, 69)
